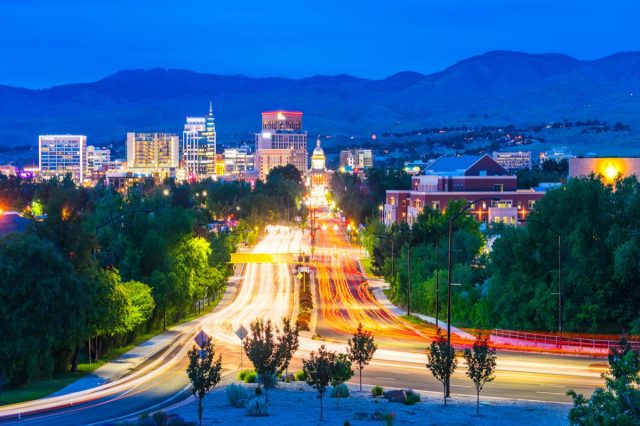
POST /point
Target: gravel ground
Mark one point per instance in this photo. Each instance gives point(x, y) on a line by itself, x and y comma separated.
point(296, 404)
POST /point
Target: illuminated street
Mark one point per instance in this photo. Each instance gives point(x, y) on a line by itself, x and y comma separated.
point(267, 291)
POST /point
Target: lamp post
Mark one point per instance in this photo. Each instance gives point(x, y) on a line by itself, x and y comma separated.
point(381, 210)
point(449, 284)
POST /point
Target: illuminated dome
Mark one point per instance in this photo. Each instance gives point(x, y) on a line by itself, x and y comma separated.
point(317, 158)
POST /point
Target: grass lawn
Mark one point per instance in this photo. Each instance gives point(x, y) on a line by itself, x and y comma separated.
point(366, 264)
point(46, 387)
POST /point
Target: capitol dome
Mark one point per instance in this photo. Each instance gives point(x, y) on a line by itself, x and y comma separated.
point(318, 161)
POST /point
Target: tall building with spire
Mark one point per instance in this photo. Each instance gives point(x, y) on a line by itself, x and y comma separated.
point(199, 146)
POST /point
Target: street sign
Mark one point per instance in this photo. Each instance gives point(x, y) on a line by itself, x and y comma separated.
point(241, 332)
point(202, 338)
point(299, 275)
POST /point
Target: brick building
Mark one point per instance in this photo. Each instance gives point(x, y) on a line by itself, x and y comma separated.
point(465, 177)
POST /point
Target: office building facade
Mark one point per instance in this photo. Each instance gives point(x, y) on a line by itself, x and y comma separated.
point(199, 146)
point(354, 160)
point(281, 132)
point(513, 161)
point(59, 155)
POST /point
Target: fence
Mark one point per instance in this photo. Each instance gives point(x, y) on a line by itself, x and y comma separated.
point(571, 344)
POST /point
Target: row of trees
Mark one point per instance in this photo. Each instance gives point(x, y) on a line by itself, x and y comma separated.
point(516, 285)
point(103, 267)
point(359, 197)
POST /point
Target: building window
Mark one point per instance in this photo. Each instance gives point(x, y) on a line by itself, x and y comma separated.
point(531, 203)
point(392, 201)
point(435, 205)
point(498, 187)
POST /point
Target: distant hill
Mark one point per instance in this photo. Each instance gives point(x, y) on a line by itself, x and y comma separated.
point(494, 88)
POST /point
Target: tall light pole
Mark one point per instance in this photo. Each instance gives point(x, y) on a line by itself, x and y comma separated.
point(449, 265)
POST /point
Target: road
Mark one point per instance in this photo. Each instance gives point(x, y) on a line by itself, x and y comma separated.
point(268, 291)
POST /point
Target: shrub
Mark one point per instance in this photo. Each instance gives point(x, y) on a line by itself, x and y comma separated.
point(300, 376)
point(389, 418)
point(237, 395)
point(247, 376)
point(340, 391)
point(258, 391)
point(411, 398)
point(257, 407)
point(377, 390)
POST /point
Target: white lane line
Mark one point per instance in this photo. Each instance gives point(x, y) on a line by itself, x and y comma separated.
point(386, 378)
point(551, 393)
point(460, 386)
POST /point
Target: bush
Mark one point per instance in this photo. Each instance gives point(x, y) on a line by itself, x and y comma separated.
point(377, 390)
point(258, 391)
point(247, 376)
point(411, 398)
point(300, 376)
point(237, 395)
point(257, 407)
point(340, 391)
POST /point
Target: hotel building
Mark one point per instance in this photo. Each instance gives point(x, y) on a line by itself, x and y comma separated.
point(281, 139)
point(155, 153)
point(59, 155)
point(465, 177)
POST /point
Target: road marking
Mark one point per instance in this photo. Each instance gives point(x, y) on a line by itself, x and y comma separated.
point(551, 393)
point(460, 386)
point(386, 378)
point(553, 386)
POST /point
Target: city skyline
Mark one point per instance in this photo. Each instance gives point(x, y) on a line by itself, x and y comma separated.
point(371, 42)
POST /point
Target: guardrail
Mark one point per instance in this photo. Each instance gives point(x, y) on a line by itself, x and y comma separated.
point(579, 344)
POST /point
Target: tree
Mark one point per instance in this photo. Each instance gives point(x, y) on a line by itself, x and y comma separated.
point(441, 360)
point(361, 348)
point(269, 351)
point(481, 364)
point(341, 372)
point(288, 343)
point(619, 402)
point(319, 369)
point(204, 372)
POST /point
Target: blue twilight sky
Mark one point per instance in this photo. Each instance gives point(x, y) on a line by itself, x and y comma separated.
point(49, 42)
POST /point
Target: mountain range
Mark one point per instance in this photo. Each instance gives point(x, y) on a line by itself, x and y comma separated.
point(497, 88)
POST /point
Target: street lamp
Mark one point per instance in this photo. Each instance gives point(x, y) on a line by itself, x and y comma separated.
point(449, 284)
point(381, 210)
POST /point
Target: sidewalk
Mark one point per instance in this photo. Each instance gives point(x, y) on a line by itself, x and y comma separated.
point(128, 361)
point(377, 285)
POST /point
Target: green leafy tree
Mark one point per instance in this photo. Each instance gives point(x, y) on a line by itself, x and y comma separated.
point(204, 372)
point(361, 347)
point(319, 369)
point(618, 403)
point(269, 350)
point(441, 361)
point(481, 366)
point(342, 372)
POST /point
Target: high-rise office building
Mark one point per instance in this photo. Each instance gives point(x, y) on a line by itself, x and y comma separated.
point(153, 152)
point(238, 161)
point(62, 154)
point(199, 145)
point(97, 157)
point(281, 132)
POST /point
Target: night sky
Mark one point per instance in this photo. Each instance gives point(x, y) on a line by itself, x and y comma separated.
point(45, 42)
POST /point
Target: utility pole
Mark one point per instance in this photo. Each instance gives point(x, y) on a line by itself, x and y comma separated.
point(560, 286)
point(408, 280)
point(437, 289)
